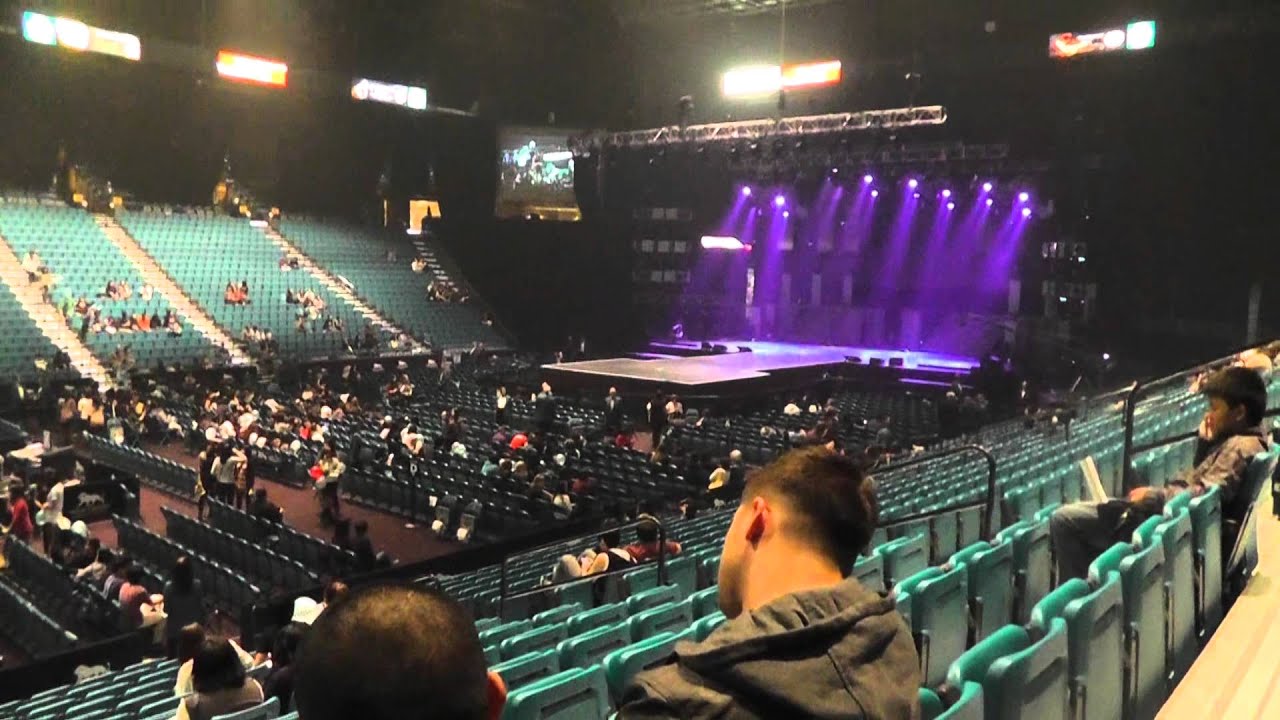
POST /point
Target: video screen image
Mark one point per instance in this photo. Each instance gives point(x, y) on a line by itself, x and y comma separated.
point(535, 171)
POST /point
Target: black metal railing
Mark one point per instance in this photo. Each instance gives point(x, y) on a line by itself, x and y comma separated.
point(988, 517)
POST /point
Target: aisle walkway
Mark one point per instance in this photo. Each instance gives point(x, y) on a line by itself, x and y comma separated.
point(1237, 675)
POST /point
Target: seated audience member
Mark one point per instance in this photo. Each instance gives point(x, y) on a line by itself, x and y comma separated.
point(279, 682)
point(135, 602)
point(96, 571)
point(183, 602)
point(1230, 435)
point(111, 586)
point(220, 683)
point(427, 663)
point(190, 639)
point(608, 555)
point(362, 546)
point(646, 547)
point(263, 509)
point(802, 640)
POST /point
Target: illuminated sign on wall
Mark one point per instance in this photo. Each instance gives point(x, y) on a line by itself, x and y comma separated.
point(235, 66)
point(414, 98)
point(766, 79)
point(1134, 36)
point(75, 35)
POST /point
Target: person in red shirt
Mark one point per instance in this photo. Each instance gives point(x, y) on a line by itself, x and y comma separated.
point(20, 526)
point(647, 547)
point(132, 597)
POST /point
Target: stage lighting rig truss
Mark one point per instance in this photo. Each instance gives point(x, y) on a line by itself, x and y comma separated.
point(791, 127)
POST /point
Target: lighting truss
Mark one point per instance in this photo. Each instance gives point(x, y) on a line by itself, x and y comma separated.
point(791, 127)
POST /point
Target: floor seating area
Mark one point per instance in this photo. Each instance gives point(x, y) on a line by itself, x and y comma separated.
point(361, 257)
point(315, 555)
point(180, 241)
point(78, 608)
point(84, 261)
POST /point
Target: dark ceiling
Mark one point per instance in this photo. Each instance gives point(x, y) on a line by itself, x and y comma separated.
point(660, 11)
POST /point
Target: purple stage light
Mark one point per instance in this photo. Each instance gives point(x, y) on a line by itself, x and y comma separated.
point(779, 200)
point(1026, 212)
point(987, 187)
point(721, 242)
point(946, 193)
point(990, 202)
point(867, 179)
point(786, 213)
point(746, 191)
point(913, 183)
point(915, 195)
point(1024, 196)
point(875, 193)
point(835, 171)
point(951, 206)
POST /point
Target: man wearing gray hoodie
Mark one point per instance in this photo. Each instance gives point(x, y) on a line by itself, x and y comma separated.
point(802, 640)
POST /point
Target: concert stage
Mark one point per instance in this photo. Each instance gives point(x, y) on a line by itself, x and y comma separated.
point(686, 368)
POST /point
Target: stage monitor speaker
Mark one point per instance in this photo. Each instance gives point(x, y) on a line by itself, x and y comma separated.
point(896, 362)
point(855, 359)
point(744, 348)
point(721, 349)
point(877, 362)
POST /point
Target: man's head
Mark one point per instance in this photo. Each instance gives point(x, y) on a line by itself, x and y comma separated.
point(647, 532)
point(333, 591)
point(613, 392)
point(611, 539)
point(428, 664)
point(134, 574)
point(806, 515)
point(1237, 400)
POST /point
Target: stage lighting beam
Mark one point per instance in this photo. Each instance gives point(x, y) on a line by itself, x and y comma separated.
point(247, 68)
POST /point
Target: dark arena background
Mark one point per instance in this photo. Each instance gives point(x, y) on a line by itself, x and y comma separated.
point(325, 295)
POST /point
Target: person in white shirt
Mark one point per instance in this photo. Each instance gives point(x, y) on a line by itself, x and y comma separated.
point(50, 518)
point(189, 640)
point(791, 409)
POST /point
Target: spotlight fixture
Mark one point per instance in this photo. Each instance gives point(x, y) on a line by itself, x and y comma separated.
point(990, 202)
point(875, 193)
point(867, 179)
point(835, 171)
point(951, 206)
point(779, 200)
point(987, 187)
point(746, 191)
point(913, 184)
point(915, 195)
point(946, 193)
point(1026, 212)
point(786, 213)
point(1024, 196)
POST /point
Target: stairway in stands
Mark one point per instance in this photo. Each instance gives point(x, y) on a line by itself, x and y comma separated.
point(160, 280)
point(338, 287)
point(46, 317)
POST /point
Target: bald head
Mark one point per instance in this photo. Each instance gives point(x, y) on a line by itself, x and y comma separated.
point(395, 652)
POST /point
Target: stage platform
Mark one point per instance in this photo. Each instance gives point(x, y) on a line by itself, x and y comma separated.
point(755, 365)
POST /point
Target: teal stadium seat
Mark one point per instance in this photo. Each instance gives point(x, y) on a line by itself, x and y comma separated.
point(869, 571)
point(991, 595)
point(903, 557)
point(939, 617)
point(525, 669)
point(596, 617)
point(967, 706)
point(704, 626)
point(567, 695)
point(671, 617)
point(1032, 564)
point(704, 602)
point(652, 597)
point(1095, 642)
point(590, 647)
point(1176, 536)
point(1206, 527)
point(1142, 579)
point(621, 666)
point(1021, 677)
point(537, 639)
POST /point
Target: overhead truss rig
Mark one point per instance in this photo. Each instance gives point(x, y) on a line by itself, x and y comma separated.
point(760, 129)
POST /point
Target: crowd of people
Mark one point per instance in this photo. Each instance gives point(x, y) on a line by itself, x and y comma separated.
point(236, 293)
point(439, 290)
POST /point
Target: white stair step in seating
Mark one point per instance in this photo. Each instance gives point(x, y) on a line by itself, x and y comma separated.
point(47, 319)
point(155, 276)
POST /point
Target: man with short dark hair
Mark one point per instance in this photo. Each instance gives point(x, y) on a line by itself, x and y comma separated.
point(362, 546)
point(395, 652)
point(1230, 435)
point(802, 639)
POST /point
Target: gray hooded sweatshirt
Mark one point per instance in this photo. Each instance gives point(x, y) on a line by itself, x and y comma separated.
point(837, 652)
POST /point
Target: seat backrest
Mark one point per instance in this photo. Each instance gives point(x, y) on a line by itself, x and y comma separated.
point(682, 571)
point(705, 601)
point(1095, 649)
point(534, 640)
point(904, 557)
point(1032, 683)
point(567, 695)
point(1206, 530)
point(652, 597)
point(496, 635)
point(702, 627)
point(1142, 578)
point(939, 618)
point(671, 617)
point(557, 614)
point(622, 665)
point(1179, 562)
point(266, 711)
point(972, 666)
point(590, 647)
point(1108, 562)
point(1033, 566)
point(522, 670)
point(1240, 521)
point(603, 615)
point(869, 572)
point(991, 589)
point(969, 706)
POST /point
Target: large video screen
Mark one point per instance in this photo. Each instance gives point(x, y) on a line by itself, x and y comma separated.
point(535, 173)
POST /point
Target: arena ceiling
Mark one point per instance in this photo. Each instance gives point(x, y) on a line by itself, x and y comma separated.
point(656, 11)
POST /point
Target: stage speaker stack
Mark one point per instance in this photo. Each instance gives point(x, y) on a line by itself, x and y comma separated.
point(896, 362)
point(877, 362)
point(853, 359)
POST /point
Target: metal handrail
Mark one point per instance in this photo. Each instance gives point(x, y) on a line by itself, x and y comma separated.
point(988, 518)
